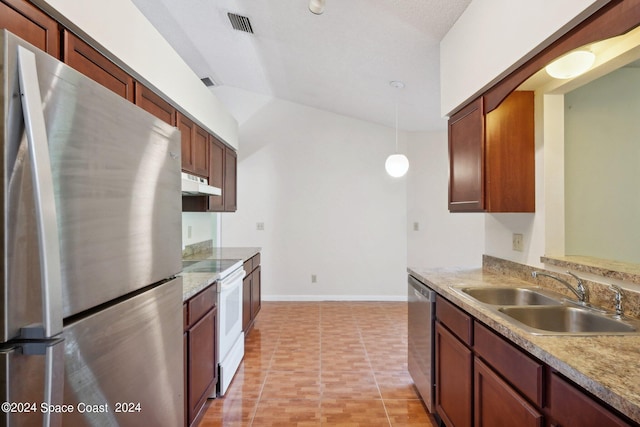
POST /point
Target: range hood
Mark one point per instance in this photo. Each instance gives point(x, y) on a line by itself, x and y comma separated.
point(193, 185)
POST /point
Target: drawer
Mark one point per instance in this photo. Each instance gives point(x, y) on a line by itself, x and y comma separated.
point(523, 372)
point(201, 303)
point(248, 266)
point(256, 260)
point(456, 320)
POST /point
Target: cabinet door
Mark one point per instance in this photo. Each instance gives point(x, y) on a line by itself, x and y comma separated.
point(200, 152)
point(497, 404)
point(571, 407)
point(152, 103)
point(195, 147)
point(255, 293)
point(29, 23)
point(94, 65)
point(454, 364)
point(466, 159)
point(246, 302)
point(229, 191)
point(509, 155)
point(216, 173)
point(201, 354)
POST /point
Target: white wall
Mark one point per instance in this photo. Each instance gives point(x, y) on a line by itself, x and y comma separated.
point(443, 239)
point(199, 227)
point(129, 40)
point(317, 182)
point(492, 37)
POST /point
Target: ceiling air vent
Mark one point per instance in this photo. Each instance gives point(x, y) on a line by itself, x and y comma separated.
point(240, 23)
point(208, 82)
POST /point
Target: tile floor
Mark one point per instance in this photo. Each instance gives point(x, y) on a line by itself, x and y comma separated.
point(323, 363)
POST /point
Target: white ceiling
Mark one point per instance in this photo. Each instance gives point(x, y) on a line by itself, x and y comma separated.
point(341, 61)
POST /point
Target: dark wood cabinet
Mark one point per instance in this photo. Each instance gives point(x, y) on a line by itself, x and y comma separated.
point(195, 147)
point(84, 58)
point(29, 23)
point(251, 293)
point(496, 403)
point(201, 364)
point(569, 406)
point(491, 157)
point(152, 103)
point(217, 157)
point(483, 379)
point(222, 173)
point(466, 159)
point(229, 189)
point(454, 364)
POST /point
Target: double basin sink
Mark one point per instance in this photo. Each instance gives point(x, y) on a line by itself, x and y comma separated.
point(541, 312)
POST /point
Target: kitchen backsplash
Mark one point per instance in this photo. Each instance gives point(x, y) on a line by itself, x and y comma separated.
point(600, 294)
point(197, 247)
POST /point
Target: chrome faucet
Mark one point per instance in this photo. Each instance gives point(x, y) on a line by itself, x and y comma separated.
point(580, 290)
point(618, 300)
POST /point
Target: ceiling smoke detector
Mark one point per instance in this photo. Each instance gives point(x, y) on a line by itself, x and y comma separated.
point(240, 23)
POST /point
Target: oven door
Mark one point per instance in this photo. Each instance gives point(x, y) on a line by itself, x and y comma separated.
point(230, 309)
point(230, 335)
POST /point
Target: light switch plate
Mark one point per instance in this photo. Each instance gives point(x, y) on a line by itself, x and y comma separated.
point(518, 242)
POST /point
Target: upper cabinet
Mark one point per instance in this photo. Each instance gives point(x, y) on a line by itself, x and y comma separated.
point(91, 63)
point(195, 147)
point(229, 190)
point(29, 23)
point(154, 104)
point(491, 156)
point(222, 174)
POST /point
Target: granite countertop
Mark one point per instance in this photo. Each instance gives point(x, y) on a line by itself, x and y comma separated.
point(606, 366)
point(192, 283)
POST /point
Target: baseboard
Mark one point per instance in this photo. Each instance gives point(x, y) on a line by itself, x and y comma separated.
point(399, 298)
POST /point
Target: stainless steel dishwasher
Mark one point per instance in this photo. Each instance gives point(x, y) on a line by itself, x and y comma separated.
point(421, 325)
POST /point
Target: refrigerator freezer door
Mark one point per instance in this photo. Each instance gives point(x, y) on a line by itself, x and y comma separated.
point(116, 178)
point(125, 363)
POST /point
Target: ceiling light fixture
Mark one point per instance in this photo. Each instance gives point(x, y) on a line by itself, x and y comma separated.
point(316, 6)
point(571, 65)
point(397, 164)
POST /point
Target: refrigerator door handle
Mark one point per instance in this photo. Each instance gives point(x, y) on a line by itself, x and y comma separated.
point(53, 387)
point(46, 216)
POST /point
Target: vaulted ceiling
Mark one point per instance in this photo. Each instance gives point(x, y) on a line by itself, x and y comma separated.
point(340, 61)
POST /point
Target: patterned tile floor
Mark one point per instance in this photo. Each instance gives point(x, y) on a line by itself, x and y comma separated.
point(323, 364)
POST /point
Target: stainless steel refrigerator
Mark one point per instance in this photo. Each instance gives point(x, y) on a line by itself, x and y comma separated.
point(91, 317)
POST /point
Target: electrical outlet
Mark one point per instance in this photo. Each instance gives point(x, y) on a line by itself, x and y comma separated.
point(416, 226)
point(188, 231)
point(314, 278)
point(260, 226)
point(518, 242)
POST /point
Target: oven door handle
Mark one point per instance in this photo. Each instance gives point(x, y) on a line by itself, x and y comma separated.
point(232, 278)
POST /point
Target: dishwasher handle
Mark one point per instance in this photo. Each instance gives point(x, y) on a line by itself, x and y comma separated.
point(421, 290)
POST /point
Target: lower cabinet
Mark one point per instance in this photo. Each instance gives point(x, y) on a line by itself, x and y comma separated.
point(453, 379)
point(483, 380)
point(251, 293)
point(496, 403)
point(201, 364)
point(570, 406)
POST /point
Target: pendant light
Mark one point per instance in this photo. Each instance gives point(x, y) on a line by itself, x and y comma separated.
point(316, 6)
point(397, 164)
